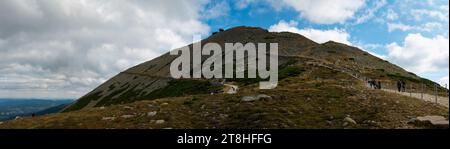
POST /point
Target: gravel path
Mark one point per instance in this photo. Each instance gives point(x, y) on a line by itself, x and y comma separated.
point(426, 97)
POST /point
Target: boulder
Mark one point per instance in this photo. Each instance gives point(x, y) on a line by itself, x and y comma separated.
point(254, 98)
point(350, 120)
point(249, 98)
point(153, 113)
point(434, 121)
point(127, 116)
point(160, 121)
point(108, 118)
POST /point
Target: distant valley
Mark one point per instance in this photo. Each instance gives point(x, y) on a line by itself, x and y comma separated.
point(10, 108)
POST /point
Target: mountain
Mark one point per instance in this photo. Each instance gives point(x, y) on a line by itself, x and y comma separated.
point(10, 108)
point(320, 86)
point(151, 80)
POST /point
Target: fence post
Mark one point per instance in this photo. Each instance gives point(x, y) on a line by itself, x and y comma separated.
point(421, 92)
point(410, 90)
point(435, 92)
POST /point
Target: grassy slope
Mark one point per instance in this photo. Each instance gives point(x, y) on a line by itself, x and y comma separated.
point(307, 100)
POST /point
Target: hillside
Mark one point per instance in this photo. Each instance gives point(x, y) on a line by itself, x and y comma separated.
point(149, 80)
point(321, 86)
point(300, 101)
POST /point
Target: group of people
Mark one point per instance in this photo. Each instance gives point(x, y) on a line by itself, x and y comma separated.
point(374, 84)
point(401, 86)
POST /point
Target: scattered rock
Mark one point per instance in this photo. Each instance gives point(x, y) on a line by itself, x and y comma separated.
point(412, 120)
point(329, 122)
point(249, 98)
point(435, 121)
point(263, 96)
point(371, 123)
point(102, 108)
point(223, 116)
point(127, 116)
point(17, 118)
point(254, 98)
point(1, 123)
point(160, 121)
point(397, 102)
point(164, 104)
point(345, 124)
point(108, 118)
point(350, 120)
point(153, 113)
point(128, 107)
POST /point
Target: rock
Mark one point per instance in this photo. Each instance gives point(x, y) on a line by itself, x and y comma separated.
point(153, 113)
point(345, 124)
point(254, 98)
point(412, 120)
point(249, 98)
point(108, 118)
point(17, 118)
point(329, 122)
point(263, 96)
point(127, 116)
point(350, 120)
point(223, 116)
point(128, 107)
point(331, 118)
point(1, 123)
point(436, 121)
point(370, 123)
point(164, 104)
point(160, 121)
point(102, 108)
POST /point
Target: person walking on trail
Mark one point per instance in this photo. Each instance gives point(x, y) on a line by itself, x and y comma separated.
point(403, 86)
point(399, 86)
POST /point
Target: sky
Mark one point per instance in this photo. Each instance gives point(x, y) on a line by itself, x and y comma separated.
point(65, 48)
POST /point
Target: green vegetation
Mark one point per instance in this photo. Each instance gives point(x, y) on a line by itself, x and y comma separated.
point(173, 89)
point(83, 101)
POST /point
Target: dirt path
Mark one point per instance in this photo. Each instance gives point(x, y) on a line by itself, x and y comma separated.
point(426, 97)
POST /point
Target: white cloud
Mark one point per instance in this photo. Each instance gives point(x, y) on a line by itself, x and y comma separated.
point(326, 11)
point(398, 26)
point(421, 54)
point(441, 15)
point(370, 12)
point(242, 4)
point(391, 15)
point(68, 47)
point(320, 36)
point(444, 81)
point(217, 10)
point(427, 27)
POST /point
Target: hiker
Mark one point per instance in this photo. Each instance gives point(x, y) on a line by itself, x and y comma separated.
point(399, 86)
point(403, 86)
point(33, 115)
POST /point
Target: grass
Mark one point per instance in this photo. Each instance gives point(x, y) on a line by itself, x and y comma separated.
point(299, 101)
point(82, 102)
